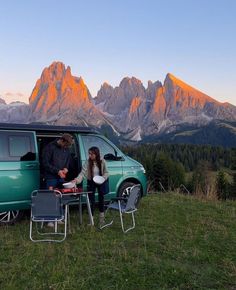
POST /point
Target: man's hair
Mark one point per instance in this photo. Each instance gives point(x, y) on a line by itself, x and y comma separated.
point(67, 138)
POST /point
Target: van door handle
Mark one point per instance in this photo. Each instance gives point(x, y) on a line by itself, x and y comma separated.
point(30, 165)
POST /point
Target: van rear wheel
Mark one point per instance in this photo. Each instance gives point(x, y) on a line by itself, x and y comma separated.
point(125, 189)
point(10, 217)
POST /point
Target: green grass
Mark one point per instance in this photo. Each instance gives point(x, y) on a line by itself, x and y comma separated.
point(179, 243)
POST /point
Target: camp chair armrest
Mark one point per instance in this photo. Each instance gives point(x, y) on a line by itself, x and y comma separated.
point(119, 198)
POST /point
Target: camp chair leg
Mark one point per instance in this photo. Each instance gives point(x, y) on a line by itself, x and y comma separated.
point(121, 219)
point(130, 228)
point(50, 233)
point(107, 224)
point(125, 206)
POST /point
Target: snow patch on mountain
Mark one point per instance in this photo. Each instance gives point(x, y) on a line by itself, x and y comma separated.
point(134, 135)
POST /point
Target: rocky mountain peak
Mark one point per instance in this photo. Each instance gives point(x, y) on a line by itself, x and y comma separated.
point(180, 95)
point(2, 102)
point(171, 81)
point(152, 89)
point(115, 101)
point(105, 92)
point(58, 91)
point(127, 81)
point(132, 86)
point(61, 98)
point(55, 71)
point(106, 85)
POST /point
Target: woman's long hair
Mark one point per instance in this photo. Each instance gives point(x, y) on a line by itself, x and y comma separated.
point(95, 151)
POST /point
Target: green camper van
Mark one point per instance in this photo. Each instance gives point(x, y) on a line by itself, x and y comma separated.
point(20, 163)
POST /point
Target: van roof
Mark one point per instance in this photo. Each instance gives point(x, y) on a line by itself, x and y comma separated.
point(47, 128)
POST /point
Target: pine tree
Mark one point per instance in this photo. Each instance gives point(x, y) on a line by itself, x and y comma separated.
point(222, 185)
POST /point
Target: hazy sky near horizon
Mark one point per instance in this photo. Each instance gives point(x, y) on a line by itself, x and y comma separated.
point(107, 40)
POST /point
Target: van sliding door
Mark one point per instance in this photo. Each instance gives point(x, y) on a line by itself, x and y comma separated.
point(19, 169)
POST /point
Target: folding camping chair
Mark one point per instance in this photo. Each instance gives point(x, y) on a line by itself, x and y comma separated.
point(125, 205)
point(47, 206)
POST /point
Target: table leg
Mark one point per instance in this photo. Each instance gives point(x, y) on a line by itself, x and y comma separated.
point(67, 214)
point(80, 210)
point(89, 210)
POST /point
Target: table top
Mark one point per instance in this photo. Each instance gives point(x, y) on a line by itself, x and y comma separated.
point(71, 197)
point(74, 190)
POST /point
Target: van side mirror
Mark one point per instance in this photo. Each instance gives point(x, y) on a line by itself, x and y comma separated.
point(110, 156)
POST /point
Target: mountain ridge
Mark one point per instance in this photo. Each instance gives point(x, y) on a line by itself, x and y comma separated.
point(129, 109)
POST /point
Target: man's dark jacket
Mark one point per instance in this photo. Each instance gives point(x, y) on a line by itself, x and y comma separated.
point(54, 158)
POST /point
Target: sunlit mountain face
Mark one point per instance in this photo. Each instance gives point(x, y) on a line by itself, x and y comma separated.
point(130, 110)
point(58, 91)
point(60, 98)
point(159, 108)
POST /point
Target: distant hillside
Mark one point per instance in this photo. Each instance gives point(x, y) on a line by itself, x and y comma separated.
point(216, 133)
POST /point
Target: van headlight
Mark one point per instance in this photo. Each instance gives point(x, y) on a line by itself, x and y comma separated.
point(142, 169)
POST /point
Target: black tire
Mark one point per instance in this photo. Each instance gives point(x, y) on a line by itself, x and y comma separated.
point(10, 217)
point(125, 188)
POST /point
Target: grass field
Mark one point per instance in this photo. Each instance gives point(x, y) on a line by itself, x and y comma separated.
point(179, 243)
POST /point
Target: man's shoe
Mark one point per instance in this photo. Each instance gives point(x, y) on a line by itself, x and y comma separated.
point(90, 224)
point(51, 225)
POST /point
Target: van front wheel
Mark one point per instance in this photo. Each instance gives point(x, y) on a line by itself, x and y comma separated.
point(10, 217)
point(125, 189)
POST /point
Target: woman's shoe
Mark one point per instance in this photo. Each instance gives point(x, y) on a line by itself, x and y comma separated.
point(101, 219)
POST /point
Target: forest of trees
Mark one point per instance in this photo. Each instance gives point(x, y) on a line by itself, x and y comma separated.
point(188, 168)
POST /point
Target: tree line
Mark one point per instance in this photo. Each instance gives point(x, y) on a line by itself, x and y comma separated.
point(188, 168)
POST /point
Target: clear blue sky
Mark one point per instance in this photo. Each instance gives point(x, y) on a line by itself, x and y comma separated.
point(106, 40)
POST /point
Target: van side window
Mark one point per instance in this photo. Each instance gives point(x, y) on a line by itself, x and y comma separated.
point(3, 147)
point(91, 140)
point(16, 146)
